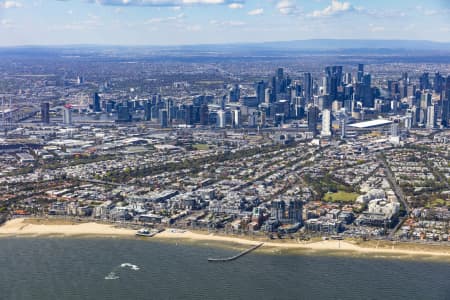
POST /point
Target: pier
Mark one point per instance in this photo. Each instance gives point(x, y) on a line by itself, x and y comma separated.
point(226, 259)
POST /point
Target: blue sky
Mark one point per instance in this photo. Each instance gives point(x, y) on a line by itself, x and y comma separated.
point(169, 22)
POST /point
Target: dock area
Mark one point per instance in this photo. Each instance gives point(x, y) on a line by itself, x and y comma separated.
point(227, 259)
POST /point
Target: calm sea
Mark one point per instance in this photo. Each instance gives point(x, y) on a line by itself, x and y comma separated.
point(57, 268)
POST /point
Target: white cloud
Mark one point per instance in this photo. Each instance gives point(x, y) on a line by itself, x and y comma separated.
point(376, 28)
point(10, 4)
point(287, 7)
point(193, 28)
point(334, 8)
point(235, 5)
point(381, 13)
point(5, 23)
point(177, 18)
point(230, 23)
point(173, 3)
point(256, 12)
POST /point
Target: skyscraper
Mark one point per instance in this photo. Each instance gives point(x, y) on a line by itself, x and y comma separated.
point(326, 123)
point(67, 114)
point(332, 80)
point(307, 87)
point(446, 103)
point(189, 114)
point(204, 114)
point(394, 130)
point(278, 210)
point(45, 112)
point(287, 212)
point(96, 103)
point(425, 100)
point(147, 110)
point(268, 96)
point(438, 82)
point(163, 118)
point(260, 88)
point(235, 93)
point(366, 89)
point(431, 116)
point(295, 211)
point(123, 112)
point(236, 118)
point(221, 121)
point(347, 78)
point(312, 115)
point(424, 81)
point(343, 128)
point(360, 72)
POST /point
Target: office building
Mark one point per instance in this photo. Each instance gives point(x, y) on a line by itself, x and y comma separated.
point(360, 72)
point(96, 103)
point(163, 118)
point(236, 118)
point(424, 81)
point(67, 114)
point(221, 119)
point(326, 123)
point(312, 115)
point(260, 88)
point(45, 113)
point(307, 87)
point(123, 112)
point(431, 117)
point(147, 110)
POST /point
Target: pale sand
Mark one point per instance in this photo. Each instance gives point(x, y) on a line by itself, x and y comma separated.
point(20, 227)
point(329, 245)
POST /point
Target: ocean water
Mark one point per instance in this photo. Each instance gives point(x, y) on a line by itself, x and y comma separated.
point(57, 268)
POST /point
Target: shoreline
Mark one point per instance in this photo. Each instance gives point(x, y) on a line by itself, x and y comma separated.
point(371, 249)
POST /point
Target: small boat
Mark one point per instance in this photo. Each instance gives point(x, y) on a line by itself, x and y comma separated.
point(144, 232)
point(148, 233)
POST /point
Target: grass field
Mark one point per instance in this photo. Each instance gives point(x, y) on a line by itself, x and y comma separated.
point(201, 146)
point(437, 203)
point(340, 197)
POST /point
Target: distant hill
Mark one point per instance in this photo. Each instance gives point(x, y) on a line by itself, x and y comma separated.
point(286, 48)
point(326, 44)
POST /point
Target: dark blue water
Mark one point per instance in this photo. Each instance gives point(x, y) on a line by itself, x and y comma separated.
point(76, 269)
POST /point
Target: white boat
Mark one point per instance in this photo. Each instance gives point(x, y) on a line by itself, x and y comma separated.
point(144, 232)
point(148, 233)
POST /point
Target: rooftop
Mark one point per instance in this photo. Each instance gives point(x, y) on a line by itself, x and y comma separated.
point(371, 123)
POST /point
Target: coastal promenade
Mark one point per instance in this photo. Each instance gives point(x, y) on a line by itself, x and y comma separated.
point(31, 228)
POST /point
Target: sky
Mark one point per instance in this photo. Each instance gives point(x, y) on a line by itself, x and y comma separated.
point(177, 22)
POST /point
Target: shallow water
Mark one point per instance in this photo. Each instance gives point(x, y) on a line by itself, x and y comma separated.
point(59, 268)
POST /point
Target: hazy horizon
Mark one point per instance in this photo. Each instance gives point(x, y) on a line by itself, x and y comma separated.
point(261, 43)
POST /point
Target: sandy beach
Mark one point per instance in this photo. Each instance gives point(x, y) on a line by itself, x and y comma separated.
point(43, 228)
point(25, 227)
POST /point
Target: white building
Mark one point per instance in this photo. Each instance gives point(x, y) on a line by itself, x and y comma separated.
point(431, 116)
point(67, 115)
point(221, 120)
point(326, 123)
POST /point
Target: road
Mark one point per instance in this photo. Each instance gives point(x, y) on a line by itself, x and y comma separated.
point(398, 192)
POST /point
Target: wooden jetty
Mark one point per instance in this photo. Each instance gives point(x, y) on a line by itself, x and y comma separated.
point(226, 259)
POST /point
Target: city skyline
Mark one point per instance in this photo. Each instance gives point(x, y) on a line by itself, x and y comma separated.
point(178, 22)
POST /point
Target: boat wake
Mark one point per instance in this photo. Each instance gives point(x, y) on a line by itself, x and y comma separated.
point(113, 274)
point(128, 265)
